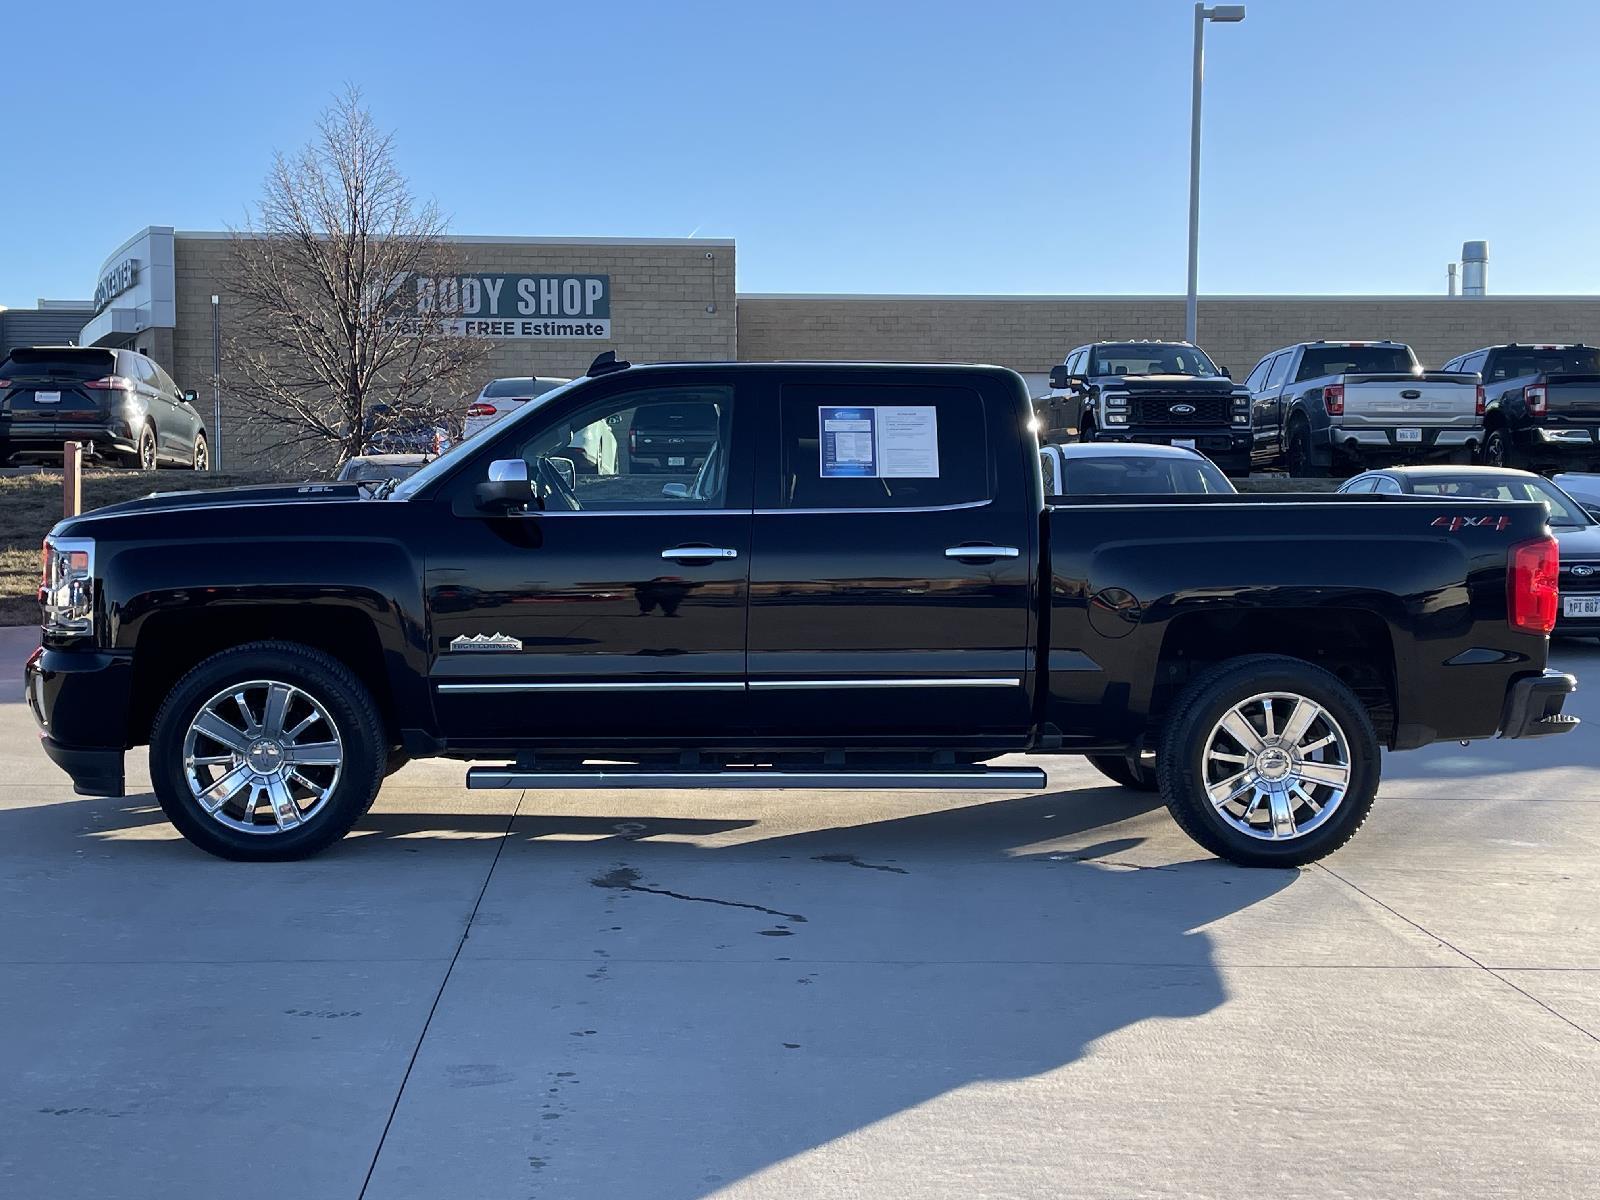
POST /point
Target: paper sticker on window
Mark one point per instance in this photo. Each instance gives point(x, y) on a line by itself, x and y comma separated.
point(847, 442)
point(878, 442)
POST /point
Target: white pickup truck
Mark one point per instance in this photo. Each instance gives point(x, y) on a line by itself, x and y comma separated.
point(1357, 402)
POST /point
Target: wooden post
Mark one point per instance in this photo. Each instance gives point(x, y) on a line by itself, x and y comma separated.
point(71, 480)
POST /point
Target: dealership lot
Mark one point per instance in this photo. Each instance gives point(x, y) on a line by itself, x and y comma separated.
point(780, 994)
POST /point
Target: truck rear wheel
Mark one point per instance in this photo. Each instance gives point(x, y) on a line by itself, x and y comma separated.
point(1297, 449)
point(1269, 761)
point(1123, 770)
point(267, 752)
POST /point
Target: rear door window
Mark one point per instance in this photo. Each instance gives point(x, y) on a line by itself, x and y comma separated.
point(872, 447)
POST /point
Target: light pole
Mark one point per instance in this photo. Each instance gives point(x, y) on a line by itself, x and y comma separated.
point(1227, 14)
point(216, 383)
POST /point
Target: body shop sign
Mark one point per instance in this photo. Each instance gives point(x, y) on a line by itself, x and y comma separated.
point(513, 306)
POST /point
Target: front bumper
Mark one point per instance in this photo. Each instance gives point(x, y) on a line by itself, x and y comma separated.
point(1226, 447)
point(79, 700)
point(1533, 706)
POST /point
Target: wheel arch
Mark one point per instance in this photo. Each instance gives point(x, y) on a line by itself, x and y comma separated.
point(171, 643)
point(1353, 644)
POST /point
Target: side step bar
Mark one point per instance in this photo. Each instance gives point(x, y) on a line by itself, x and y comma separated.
point(908, 779)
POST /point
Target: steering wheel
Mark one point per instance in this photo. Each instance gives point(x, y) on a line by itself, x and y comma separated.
point(558, 485)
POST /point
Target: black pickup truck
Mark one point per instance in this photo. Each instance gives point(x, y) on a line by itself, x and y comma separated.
point(1159, 393)
point(860, 587)
point(1540, 405)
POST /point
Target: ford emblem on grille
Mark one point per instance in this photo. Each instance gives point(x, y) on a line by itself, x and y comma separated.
point(1181, 410)
point(1582, 570)
point(1411, 394)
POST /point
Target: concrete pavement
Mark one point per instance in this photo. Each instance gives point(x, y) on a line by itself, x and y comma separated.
point(680, 995)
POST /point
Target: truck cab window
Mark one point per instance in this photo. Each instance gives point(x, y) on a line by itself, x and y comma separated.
point(664, 447)
point(911, 447)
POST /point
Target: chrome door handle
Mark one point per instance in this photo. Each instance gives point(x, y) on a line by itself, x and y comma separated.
point(691, 552)
point(982, 552)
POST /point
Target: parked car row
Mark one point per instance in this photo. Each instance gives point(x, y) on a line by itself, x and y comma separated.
point(1316, 408)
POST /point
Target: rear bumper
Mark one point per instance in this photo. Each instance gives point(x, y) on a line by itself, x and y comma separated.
point(1533, 706)
point(79, 700)
point(45, 438)
point(1367, 441)
point(1558, 443)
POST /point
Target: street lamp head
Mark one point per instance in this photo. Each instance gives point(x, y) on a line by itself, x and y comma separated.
point(1224, 13)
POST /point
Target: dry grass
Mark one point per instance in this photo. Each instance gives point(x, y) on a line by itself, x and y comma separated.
point(31, 503)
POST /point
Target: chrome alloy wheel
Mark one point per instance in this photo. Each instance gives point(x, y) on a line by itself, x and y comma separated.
point(262, 741)
point(1276, 766)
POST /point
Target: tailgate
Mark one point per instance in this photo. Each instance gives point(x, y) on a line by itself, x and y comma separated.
point(1575, 396)
point(44, 399)
point(1433, 399)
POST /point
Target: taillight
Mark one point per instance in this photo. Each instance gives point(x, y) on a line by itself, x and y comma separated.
point(1537, 398)
point(1483, 406)
point(110, 383)
point(481, 410)
point(1531, 588)
point(1333, 399)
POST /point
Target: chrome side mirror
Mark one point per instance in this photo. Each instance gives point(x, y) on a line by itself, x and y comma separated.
point(506, 489)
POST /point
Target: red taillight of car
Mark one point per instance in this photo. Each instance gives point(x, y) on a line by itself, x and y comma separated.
point(110, 383)
point(1333, 399)
point(1483, 405)
point(481, 409)
point(1537, 398)
point(1531, 589)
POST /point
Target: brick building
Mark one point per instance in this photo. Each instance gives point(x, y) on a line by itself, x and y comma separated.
point(674, 298)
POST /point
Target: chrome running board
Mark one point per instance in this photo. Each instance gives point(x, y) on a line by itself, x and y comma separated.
point(912, 779)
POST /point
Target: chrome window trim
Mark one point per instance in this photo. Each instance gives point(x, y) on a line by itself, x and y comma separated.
point(926, 508)
point(753, 685)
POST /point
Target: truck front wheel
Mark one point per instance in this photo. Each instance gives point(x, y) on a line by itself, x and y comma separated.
point(267, 752)
point(1269, 761)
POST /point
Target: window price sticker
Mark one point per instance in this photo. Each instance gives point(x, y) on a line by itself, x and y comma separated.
point(878, 442)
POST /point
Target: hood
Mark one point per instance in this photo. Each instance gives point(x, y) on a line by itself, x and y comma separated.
point(1578, 543)
point(234, 497)
point(1169, 383)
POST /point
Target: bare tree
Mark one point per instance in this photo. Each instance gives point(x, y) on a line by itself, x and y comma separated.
point(326, 351)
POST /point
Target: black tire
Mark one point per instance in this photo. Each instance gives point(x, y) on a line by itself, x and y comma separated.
point(202, 453)
point(144, 456)
point(1119, 769)
point(1498, 450)
point(1297, 449)
point(335, 687)
point(1197, 712)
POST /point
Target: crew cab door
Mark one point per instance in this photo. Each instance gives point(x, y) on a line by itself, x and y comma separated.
point(617, 613)
point(893, 561)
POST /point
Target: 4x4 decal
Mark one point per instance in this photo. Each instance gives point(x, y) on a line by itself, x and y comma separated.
point(1455, 524)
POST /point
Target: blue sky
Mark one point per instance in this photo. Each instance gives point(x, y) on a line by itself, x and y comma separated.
point(868, 146)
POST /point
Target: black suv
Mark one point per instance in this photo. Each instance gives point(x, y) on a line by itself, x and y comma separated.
point(118, 404)
point(1163, 393)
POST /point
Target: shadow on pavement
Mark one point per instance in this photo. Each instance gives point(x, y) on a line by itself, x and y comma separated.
point(920, 955)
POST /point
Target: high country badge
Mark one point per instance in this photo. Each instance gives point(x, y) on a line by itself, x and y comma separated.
point(486, 643)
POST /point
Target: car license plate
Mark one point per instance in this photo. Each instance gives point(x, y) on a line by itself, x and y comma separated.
point(1186, 443)
point(1580, 606)
point(675, 462)
point(1408, 435)
point(47, 397)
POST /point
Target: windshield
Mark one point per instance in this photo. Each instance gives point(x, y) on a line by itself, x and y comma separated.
point(1567, 360)
point(1318, 361)
point(1152, 358)
point(1142, 475)
point(447, 461)
point(50, 362)
point(1564, 510)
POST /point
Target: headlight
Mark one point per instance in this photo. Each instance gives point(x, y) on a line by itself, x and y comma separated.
point(1116, 402)
point(66, 588)
point(1241, 410)
point(1117, 418)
